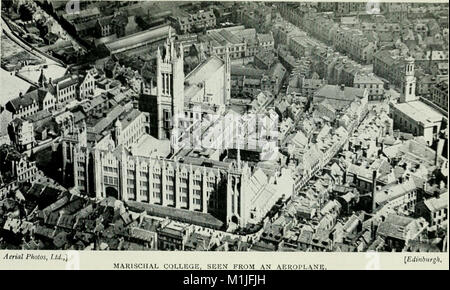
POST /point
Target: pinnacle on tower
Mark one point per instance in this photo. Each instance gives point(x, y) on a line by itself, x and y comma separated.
point(227, 52)
point(181, 50)
point(42, 79)
point(166, 56)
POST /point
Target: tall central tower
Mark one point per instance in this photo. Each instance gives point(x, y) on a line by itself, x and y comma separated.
point(170, 88)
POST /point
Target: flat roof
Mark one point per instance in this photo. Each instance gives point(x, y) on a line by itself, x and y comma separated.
point(419, 112)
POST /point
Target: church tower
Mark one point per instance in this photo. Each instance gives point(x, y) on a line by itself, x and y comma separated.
point(170, 88)
point(409, 82)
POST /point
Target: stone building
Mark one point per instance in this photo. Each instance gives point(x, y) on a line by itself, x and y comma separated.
point(166, 101)
point(410, 114)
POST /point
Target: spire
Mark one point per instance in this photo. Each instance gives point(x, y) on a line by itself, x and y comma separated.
point(227, 53)
point(181, 50)
point(172, 50)
point(42, 79)
point(238, 156)
point(202, 52)
point(166, 56)
point(227, 57)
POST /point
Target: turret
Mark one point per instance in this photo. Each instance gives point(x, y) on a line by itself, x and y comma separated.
point(181, 51)
point(42, 79)
point(409, 82)
point(117, 131)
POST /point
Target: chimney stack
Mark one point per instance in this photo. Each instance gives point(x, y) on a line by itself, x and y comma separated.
point(439, 146)
point(372, 230)
point(374, 188)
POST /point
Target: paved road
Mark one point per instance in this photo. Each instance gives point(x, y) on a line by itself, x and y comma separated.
point(11, 35)
point(65, 34)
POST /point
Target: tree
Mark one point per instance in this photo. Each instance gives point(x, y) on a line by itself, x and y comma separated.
point(25, 13)
point(6, 4)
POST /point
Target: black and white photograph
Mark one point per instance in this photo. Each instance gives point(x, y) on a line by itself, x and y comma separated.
point(231, 126)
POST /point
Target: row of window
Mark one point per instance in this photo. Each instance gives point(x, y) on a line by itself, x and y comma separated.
point(27, 111)
point(66, 90)
point(27, 174)
point(439, 213)
point(110, 169)
point(168, 196)
point(111, 180)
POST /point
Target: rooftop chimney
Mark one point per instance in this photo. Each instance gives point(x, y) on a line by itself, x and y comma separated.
point(374, 188)
point(438, 152)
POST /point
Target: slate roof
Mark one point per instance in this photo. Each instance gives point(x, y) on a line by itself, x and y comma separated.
point(435, 204)
point(35, 96)
point(335, 92)
point(394, 226)
point(199, 218)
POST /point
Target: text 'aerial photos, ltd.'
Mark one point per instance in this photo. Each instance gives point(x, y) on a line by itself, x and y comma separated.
point(224, 126)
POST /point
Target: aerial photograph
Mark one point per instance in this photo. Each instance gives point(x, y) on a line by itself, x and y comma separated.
point(224, 126)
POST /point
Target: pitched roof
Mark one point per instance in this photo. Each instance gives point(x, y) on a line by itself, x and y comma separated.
point(35, 96)
point(268, 37)
point(395, 226)
point(338, 96)
point(238, 70)
point(194, 80)
point(65, 81)
point(139, 38)
point(199, 218)
point(142, 234)
point(437, 203)
point(394, 191)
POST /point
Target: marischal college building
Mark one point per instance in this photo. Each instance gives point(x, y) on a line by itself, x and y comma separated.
point(123, 154)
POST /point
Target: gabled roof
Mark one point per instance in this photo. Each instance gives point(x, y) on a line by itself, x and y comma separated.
point(340, 94)
point(237, 70)
point(437, 203)
point(394, 226)
point(35, 96)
